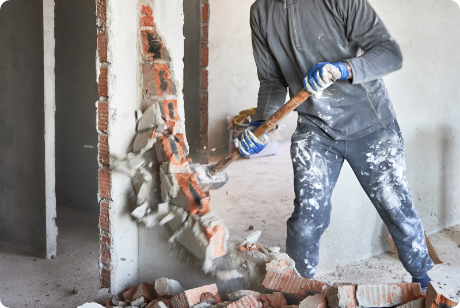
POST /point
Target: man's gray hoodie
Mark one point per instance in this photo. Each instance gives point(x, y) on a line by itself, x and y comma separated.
point(290, 36)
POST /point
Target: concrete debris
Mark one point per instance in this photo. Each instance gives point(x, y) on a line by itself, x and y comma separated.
point(315, 301)
point(252, 238)
point(382, 295)
point(138, 302)
point(91, 305)
point(342, 296)
point(203, 305)
point(420, 303)
point(152, 117)
point(169, 287)
point(438, 296)
point(249, 301)
point(104, 292)
point(143, 141)
point(242, 293)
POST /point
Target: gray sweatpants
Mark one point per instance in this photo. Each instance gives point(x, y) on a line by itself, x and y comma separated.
point(379, 164)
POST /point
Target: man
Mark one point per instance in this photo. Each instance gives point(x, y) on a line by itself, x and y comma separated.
point(349, 116)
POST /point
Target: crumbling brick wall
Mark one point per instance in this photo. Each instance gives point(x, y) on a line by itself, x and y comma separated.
point(104, 191)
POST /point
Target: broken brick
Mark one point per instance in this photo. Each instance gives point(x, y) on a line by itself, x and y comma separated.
point(147, 18)
point(192, 297)
point(315, 301)
point(129, 293)
point(209, 298)
point(152, 304)
point(162, 78)
point(420, 303)
point(293, 287)
point(248, 301)
point(274, 300)
point(387, 295)
point(343, 296)
point(145, 290)
point(438, 295)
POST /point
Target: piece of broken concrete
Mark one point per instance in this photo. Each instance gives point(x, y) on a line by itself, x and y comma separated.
point(387, 295)
point(438, 295)
point(152, 117)
point(420, 303)
point(252, 238)
point(169, 287)
point(91, 305)
point(143, 141)
point(342, 296)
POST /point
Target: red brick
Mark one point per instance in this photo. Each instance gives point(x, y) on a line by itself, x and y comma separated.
point(104, 149)
point(248, 301)
point(146, 290)
point(102, 83)
point(440, 296)
point(204, 56)
point(147, 18)
point(129, 293)
point(101, 12)
point(204, 35)
point(162, 78)
point(204, 121)
point(102, 116)
point(205, 12)
point(274, 300)
point(105, 278)
point(204, 79)
point(296, 286)
point(105, 250)
point(104, 184)
point(102, 46)
point(192, 297)
point(204, 100)
point(409, 292)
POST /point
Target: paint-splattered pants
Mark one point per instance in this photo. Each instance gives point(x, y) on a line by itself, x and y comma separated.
point(378, 162)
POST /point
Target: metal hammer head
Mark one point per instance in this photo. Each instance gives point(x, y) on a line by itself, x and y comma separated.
point(205, 180)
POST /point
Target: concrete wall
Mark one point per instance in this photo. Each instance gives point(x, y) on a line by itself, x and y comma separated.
point(76, 94)
point(192, 90)
point(425, 94)
point(22, 122)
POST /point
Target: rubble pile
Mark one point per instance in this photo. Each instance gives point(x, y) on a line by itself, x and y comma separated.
point(276, 284)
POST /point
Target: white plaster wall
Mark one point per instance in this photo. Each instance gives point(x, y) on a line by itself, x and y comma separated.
point(425, 94)
point(233, 83)
point(123, 56)
point(50, 108)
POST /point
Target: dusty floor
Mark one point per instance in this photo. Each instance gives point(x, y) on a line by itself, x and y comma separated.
point(29, 281)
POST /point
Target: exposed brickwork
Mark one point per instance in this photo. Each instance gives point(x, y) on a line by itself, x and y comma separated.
point(102, 116)
point(204, 151)
point(104, 192)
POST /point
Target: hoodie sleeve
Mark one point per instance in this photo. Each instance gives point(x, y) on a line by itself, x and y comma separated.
point(382, 54)
point(273, 86)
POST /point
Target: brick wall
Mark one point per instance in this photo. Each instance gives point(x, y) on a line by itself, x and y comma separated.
point(104, 192)
point(204, 150)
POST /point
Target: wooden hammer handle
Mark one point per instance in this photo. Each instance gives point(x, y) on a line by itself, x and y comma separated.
point(263, 129)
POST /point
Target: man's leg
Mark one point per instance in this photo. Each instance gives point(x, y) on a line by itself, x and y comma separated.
point(379, 163)
point(317, 162)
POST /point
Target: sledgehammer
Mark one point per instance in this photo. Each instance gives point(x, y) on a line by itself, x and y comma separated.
point(212, 177)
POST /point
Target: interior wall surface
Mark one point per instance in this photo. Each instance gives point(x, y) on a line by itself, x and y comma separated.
point(76, 95)
point(425, 95)
point(192, 90)
point(22, 120)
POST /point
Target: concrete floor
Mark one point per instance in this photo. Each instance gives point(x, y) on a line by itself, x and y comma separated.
point(28, 281)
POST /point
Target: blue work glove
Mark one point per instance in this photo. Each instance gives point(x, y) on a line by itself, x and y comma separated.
point(247, 143)
point(317, 78)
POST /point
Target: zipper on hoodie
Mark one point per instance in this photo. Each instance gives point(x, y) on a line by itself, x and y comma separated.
point(294, 25)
